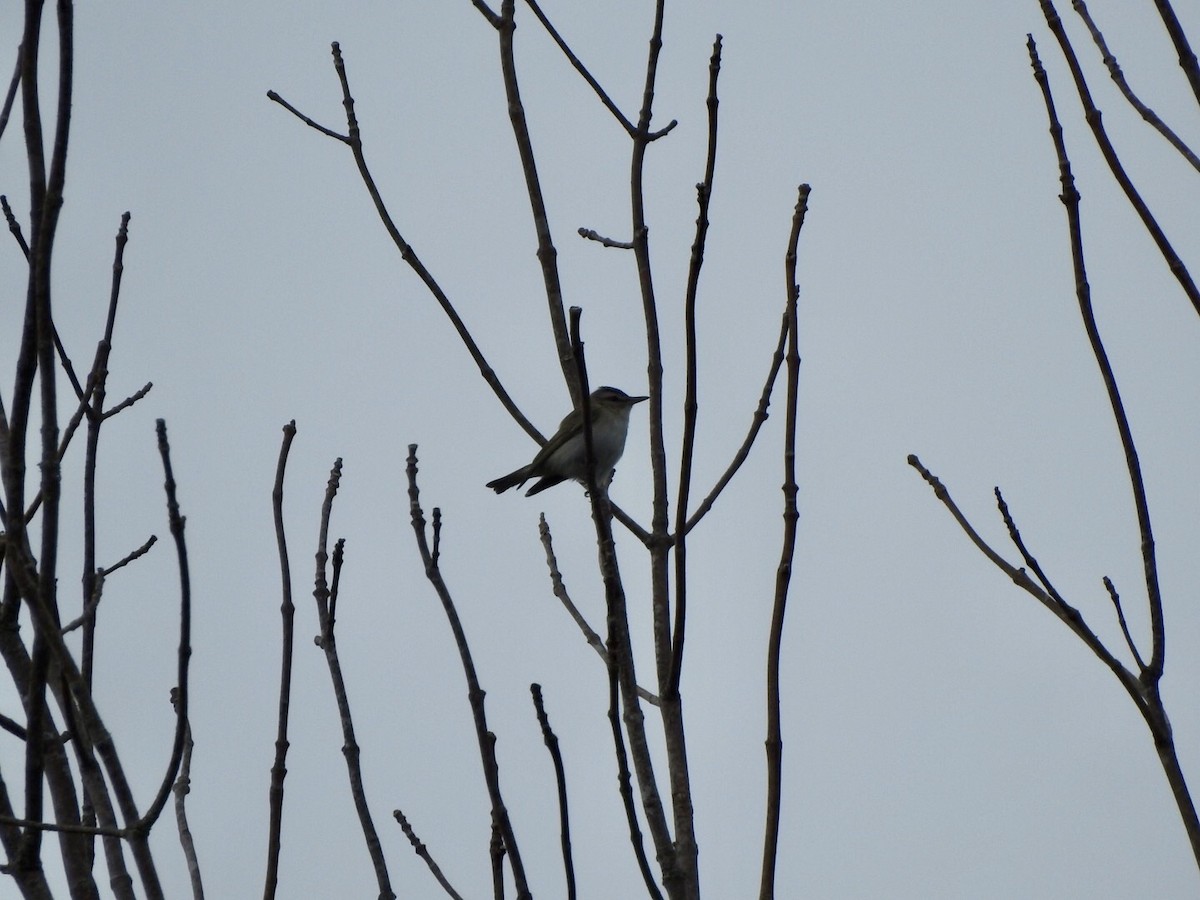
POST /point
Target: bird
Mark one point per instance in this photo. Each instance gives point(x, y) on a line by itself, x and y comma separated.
point(565, 454)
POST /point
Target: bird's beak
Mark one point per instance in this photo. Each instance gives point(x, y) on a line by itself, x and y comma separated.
point(633, 400)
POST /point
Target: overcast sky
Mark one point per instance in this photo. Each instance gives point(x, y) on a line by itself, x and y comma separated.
point(945, 736)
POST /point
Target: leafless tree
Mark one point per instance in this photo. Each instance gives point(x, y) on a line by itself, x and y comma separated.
point(69, 754)
point(665, 802)
point(1137, 667)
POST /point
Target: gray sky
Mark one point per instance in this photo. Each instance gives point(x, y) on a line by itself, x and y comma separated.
point(944, 735)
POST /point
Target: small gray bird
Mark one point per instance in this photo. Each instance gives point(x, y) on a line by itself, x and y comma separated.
point(565, 454)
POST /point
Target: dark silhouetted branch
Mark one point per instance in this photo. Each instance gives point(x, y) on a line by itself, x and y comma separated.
point(327, 642)
point(1118, 77)
point(407, 253)
point(475, 693)
point(560, 780)
point(691, 353)
point(1092, 115)
point(783, 573)
point(287, 613)
point(423, 852)
point(621, 673)
point(558, 586)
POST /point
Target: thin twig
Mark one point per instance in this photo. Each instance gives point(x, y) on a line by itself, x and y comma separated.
point(423, 852)
point(1118, 76)
point(621, 674)
point(185, 637)
point(679, 858)
point(126, 560)
point(287, 612)
point(327, 642)
point(11, 94)
point(1070, 199)
point(1116, 600)
point(547, 254)
point(783, 573)
point(756, 423)
point(690, 403)
point(1015, 534)
point(339, 556)
point(407, 253)
point(488, 13)
point(93, 401)
point(1092, 115)
point(560, 779)
point(590, 234)
point(475, 693)
point(580, 67)
point(182, 787)
point(311, 123)
point(1187, 57)
point(89, 608)
point(558, 586)
point(129, 401)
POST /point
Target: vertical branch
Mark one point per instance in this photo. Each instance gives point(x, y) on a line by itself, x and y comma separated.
point(682, 874)
point(287, 612)
point(183, 786)
point(327, 643)
point(475, 693)
point(95, 416)
point(783, 574)
point(185, 638)
point(546, 253)
point(690, 405)
point(620, 664)
point(560, 780)
point(654, 367)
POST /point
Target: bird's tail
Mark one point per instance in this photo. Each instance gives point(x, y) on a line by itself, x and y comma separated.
point(511, 480)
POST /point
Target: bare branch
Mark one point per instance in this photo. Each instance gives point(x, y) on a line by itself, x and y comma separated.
point(129, 401)
point(559, 588)
point(327, 642)
point(783, 574)
point(1019, 543)
point(328, 132)
point(1092, 115)
point(580, 67)
point(11, 94)
point(1070, 199)
point(560, 778)
point(547, 254)
point(1114, 70)
point(690, 403)
point(622, 677)
point(1187, 57)
point(475, 693)
point(130, 557)
point(487, 12)
point(590, 234)
point(181, 789)
point(287, 612)
point(354, 140)
point(185, 638)
point(1116, 600)
point(423, 852)
point(756, 423)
